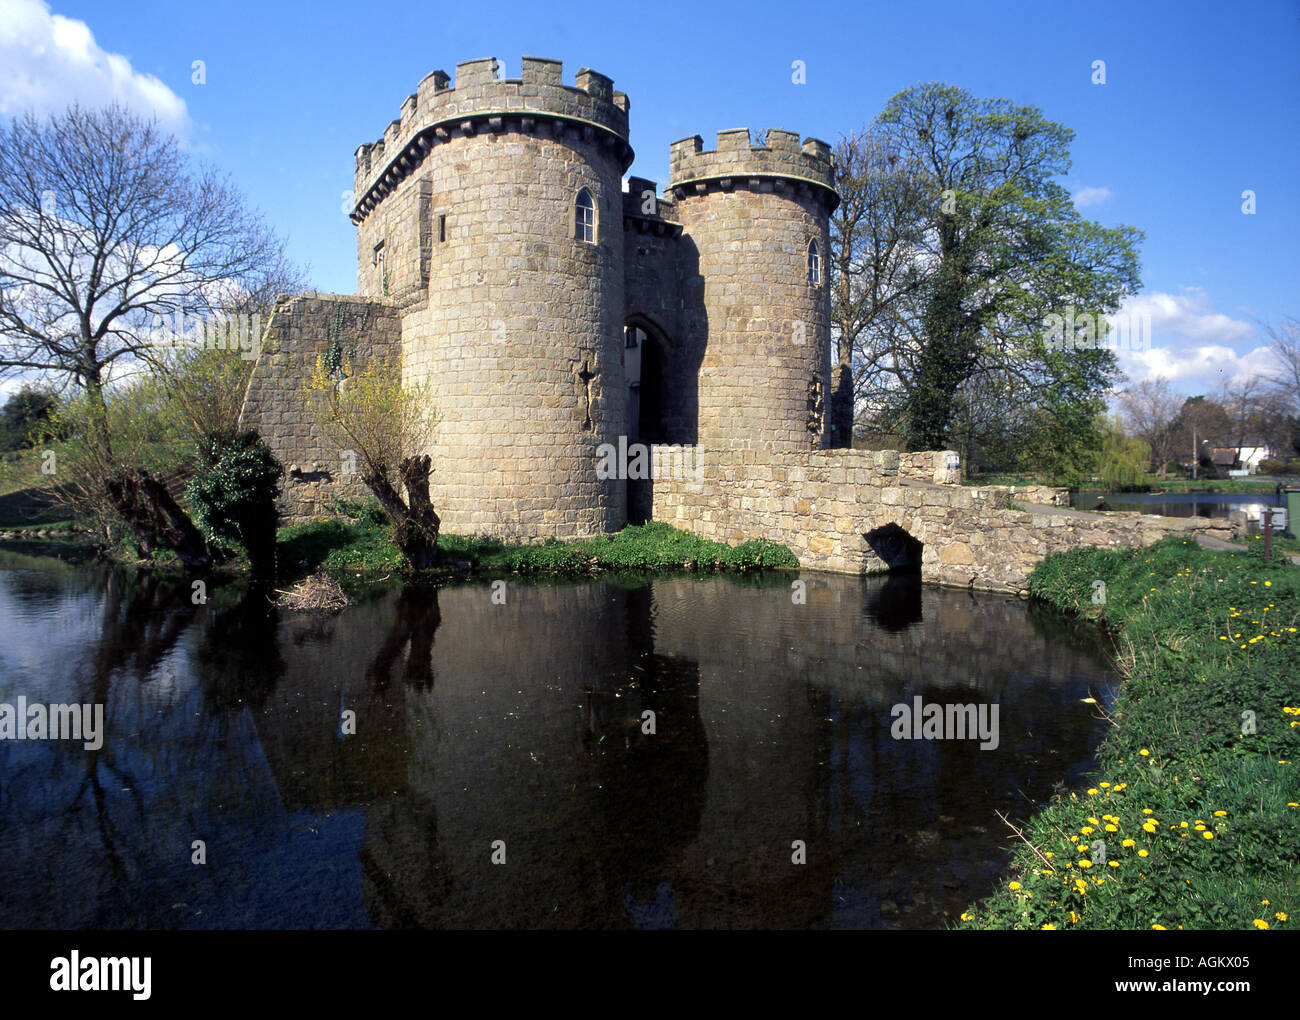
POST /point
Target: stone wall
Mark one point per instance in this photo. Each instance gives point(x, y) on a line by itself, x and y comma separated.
point(756, 326)
point(299, 331)
point(855, 511)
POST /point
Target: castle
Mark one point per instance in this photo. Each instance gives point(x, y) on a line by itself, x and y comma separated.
point(555, 315)
point(561, 323)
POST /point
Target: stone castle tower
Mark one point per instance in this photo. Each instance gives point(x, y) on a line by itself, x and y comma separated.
point(553, 314)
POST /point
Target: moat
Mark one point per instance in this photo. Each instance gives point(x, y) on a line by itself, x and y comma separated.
point(523, 722)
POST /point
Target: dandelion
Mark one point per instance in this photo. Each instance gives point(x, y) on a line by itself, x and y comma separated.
point(1143, 853)
point(967, 917)
point(1128, 843)
point(1112, 828)
point(1048, 927)
point(1208, 835)
point(1092, 792)
point(1220, 814)
point(1145, 753)
point(1085, 863)
point(1113, 864)
point(1014, 886)
point(1261, 924)
point(1158, 927)
point(1280, 915)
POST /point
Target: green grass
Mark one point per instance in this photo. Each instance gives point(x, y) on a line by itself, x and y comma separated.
point(361, 545)
point(1202, 638)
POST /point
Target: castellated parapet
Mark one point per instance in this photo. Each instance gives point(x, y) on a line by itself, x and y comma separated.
point(556, 312)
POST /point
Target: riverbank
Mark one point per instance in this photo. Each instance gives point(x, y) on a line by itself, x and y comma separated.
point(1192, 818)
point(357, 546)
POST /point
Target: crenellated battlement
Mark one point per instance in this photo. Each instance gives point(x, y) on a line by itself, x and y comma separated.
point(775, 163)
point(480, 101)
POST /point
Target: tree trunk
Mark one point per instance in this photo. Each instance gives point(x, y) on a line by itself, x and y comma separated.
point(415, 525)
point(144, 503)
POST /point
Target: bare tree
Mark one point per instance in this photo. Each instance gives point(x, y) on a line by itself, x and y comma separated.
point(105, 232)
point(874, 274)
point(1285, 346)
point(1149, 409)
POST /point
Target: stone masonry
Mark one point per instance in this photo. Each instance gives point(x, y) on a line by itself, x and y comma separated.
point(557, 312)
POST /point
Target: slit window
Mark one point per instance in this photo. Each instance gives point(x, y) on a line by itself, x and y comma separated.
point(585, 218)
point(442, 228)
point(814, 264)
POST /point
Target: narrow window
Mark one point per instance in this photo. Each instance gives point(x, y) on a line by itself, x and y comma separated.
point(814, 264)
point(442, 229)
point(585, 218)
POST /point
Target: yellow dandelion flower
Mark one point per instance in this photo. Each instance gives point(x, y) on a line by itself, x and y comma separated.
point(1145, 753)
point(1128, 843)
point(1220, 814)
point(1208, 835)
point(1261, 924)
point(1158, 927)
point(1113, 864)
point(1048, 927)
point(1014, 886)
point(1085, 863)
point(1112, 828)
point(1280, 915)
point(1143, 853)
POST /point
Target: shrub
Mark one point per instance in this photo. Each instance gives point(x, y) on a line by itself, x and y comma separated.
point(234, 500)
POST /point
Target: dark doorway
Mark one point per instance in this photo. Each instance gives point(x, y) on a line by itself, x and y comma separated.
point(643, 365)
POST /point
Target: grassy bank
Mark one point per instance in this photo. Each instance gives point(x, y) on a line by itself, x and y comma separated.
point(1193, 817)
point(345, 547)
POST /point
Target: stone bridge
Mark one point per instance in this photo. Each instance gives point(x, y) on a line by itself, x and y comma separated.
point(864, 511)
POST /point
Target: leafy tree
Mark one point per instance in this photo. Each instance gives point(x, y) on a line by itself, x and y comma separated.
point(943, 290)
point(22, 413)
point(1123, 461)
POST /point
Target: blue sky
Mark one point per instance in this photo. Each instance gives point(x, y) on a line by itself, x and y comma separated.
point(1201, 102)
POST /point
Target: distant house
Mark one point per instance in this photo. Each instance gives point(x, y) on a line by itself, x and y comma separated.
point(1242, 460)
point(1251, 456)
point(1225, 458)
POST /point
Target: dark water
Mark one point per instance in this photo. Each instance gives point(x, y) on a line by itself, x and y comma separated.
point(478, 722)
point(1178, 504)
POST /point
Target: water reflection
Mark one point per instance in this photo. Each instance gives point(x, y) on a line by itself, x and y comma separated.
point(524, 723)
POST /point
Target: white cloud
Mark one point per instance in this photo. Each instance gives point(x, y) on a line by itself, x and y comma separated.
point(48, 62)
point(1196, 348)
point(1085, 197)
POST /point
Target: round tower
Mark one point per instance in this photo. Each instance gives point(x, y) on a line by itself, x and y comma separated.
point(757, 218)
point(491, 211)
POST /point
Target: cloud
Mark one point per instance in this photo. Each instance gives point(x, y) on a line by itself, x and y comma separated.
point(1194, 347)
point(1085, 197)
point(48, 62)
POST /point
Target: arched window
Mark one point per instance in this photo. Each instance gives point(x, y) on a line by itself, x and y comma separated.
point(814, 264)
point(584, 218)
